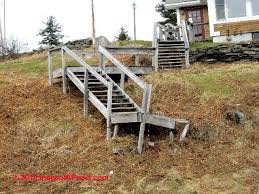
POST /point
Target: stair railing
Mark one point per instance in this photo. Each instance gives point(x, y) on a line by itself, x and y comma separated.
point(186, 42)
point(146, 89)
point(89, 69)
point(50, 63)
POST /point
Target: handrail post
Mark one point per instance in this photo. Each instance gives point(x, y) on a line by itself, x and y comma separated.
point(109, 110)
point(101, 61)
point(186, 42)
point(122, 81)
point(64, 73)
point(155, 45)
point(50, 67)
point(86, 93)
point(145, 109)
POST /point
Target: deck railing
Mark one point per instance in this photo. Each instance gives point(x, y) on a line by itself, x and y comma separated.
point(146, 88)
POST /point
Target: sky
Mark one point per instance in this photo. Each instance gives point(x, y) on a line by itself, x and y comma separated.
point(24, 18)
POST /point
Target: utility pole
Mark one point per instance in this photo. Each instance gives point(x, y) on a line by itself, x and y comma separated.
point(4, 22)
point(93, 23)
point(134, 16)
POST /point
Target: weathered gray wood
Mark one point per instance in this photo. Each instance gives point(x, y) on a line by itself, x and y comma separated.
point(84, 64)
point(156, 60)
point(145, 110)
point(136, 60)
point(50, 67)
point(92, 97)
point(122, 80)
point(101, 61)
point(115, 132)
point(126, 117)
point(56, 49)
point(86, 93)
point(109, 111)
point(109, 70)
point(155, 36)
point(160, 121)
point(185, 131)
point(64, 75)
point(130, 50)
point(123, 68)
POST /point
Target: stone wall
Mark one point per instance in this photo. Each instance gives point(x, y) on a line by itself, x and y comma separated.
point(226, 53)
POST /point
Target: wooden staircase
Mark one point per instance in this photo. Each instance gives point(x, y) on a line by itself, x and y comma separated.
point(172, 49)
point(109, 98)
point(171, 54)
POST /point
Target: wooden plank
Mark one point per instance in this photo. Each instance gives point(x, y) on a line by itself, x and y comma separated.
point(130, 50)
point(84, 64)
point(123, 68)
point(137, 60)
point(101, 61)
point(185, 131)
point(57, 73)
point(50, 67)
point(56, 49)
point(115, 132)
point(145, 109)
point(122, 81)
point(92, 97)
point(64, 73)
point(160, 121)
point(86, 94)
point(112, 70)
point(109, 111)
point(128, 117)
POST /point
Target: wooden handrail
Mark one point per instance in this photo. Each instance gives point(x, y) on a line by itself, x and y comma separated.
point(122, 67)
point(84, 64)
point(55, 49)
point(185, 34)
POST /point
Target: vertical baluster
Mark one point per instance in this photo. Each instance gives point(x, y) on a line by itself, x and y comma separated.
point(109, 111)
point(145, 109)
point(64, 68)
point(86, 94)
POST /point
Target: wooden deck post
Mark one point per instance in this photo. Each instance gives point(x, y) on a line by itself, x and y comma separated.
point(145, 109)
point(101, 61)
point(109, 111)
point(64, 73)
point(115, 132)
point(86, 94)
point(156, 60)
point(50, 67)
point(122, 81)
point(137, 60)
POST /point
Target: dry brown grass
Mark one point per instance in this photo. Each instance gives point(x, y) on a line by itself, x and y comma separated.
point(43, 132)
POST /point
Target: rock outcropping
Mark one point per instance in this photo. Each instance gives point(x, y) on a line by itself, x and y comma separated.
point(226, 53)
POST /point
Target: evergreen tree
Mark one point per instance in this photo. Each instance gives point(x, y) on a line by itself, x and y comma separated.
point(51, 35)
point(169, 15)
point(123, 35)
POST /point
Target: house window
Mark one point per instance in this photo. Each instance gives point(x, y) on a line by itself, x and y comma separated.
point(220, 9)
point(236, 8)
point(255, 7)
point(256, 36)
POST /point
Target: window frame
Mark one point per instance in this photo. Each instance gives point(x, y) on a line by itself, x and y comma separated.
point(248, 17)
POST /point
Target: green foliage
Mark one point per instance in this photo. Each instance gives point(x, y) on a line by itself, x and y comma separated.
point(51, 35)
point(169, 15)
point(206, 44)
point(142, 43)
point(123, 35)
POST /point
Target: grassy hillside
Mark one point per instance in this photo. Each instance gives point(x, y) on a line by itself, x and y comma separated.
point(43, 132)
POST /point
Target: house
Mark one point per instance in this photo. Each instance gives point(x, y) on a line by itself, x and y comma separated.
point(220, 20)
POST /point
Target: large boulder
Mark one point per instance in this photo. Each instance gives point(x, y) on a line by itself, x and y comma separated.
point(102, 41)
